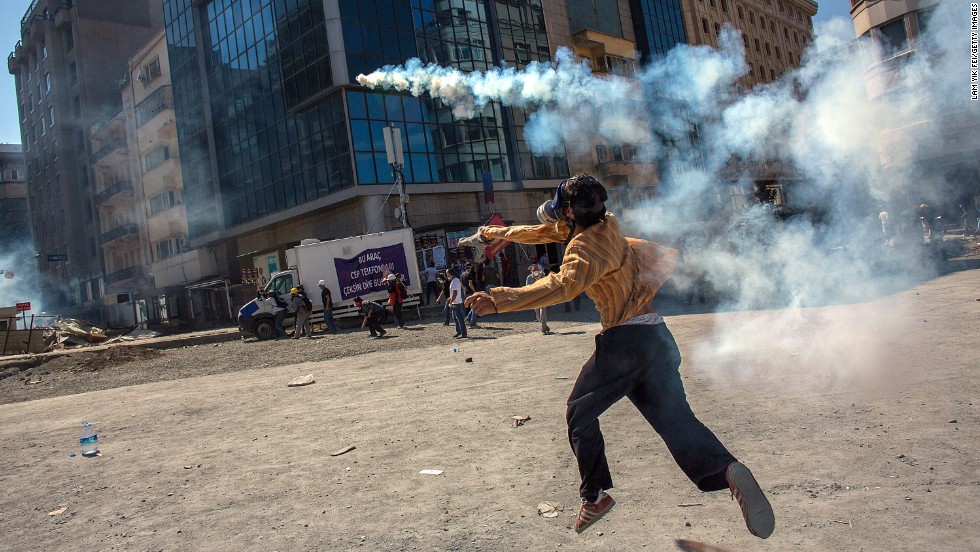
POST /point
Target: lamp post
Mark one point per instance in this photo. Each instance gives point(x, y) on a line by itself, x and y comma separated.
point(396, 158)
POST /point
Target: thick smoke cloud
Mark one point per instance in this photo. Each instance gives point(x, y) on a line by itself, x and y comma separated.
point(23, 287)
point(710, 141)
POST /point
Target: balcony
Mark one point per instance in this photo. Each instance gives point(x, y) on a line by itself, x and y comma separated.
point(118, 233)
point(112, 191)
point(129, 273)
point(107, 149)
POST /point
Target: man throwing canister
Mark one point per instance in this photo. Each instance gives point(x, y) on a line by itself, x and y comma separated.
point(635, 356)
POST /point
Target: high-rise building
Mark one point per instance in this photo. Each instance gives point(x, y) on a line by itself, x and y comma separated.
point(67, 67)
point(774, 32)
point(279, 143)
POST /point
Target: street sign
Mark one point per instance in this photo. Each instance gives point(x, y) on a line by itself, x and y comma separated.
point(55, 257)
point(26, 306)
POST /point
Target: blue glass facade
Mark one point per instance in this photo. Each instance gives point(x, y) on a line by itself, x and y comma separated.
point(281, 126)
point(658, 26)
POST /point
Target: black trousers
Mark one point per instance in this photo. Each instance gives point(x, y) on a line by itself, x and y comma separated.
point(374, 323)
point(640, 362)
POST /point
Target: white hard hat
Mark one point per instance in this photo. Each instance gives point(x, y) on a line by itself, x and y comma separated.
point(391, 277)
point(322, 283)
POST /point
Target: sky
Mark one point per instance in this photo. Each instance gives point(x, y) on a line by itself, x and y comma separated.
point(10, 34)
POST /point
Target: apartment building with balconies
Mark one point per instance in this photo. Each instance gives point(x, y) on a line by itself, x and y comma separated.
point(937, 144)
point(67, 68)
point(170, 264)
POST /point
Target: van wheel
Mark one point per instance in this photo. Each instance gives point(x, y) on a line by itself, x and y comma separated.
point(264, 329)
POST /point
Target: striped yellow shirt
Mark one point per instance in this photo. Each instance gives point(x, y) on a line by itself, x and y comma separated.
point(620, 274)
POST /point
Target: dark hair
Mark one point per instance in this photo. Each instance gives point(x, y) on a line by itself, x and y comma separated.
point(451, 271)
point(358, 299)
point(587, 197)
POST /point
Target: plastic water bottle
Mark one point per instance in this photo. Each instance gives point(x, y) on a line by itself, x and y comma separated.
point(89, 440)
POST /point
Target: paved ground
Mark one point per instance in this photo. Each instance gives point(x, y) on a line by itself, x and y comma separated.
point(860, 421)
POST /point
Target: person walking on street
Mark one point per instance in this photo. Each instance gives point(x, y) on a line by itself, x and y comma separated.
point(636, 355)
point(395, 299)
point(540, 314)
point(373, 314)
point(301, 308)
point(431, 283)
point(455, 299)
point(327, 300)
point(444, 295)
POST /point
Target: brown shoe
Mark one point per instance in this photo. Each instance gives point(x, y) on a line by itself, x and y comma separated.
point(755, 507)
point(590, 512)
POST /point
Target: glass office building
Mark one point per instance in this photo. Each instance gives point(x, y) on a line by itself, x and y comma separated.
point(268, 118)
point(658, 26)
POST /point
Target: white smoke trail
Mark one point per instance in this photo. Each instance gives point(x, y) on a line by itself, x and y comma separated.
point(817, 122)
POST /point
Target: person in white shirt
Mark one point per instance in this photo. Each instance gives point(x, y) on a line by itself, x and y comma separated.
point(456, 300)
point(431, 282)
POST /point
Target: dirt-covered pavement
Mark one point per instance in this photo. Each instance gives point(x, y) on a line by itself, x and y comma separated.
point(860, 421)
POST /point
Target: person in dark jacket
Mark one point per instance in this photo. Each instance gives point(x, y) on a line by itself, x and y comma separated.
point(373, 315)
point(327, 299)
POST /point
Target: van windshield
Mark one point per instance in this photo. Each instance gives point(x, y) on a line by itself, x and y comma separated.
point(280, 285)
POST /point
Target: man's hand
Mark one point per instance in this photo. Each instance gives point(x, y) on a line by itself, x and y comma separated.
point(482, 303)
point(364, 323)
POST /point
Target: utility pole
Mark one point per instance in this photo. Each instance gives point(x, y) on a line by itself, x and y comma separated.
point(396, 158)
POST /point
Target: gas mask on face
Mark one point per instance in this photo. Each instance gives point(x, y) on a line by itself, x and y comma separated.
point(551, 211)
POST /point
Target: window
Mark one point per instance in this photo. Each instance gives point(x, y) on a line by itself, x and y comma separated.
point(704, 27)
point(752, 17)
point(724, 6)
point(51, 116)
point(768, 49)
point(72, 73)
point(162, 202)
point(762, 22)
point(156, 157)
point(785, 32)
point(772, 74)
point(892, 37)
point(601, 155)
point(779, 55)
point(717, 29)
point(44, 50)
point(47, 83)
point(758, 47)
point(76, 106)
point(739, 10)
point(150, 71)
point(14, 174)
point(69, 39)
point(169, 247)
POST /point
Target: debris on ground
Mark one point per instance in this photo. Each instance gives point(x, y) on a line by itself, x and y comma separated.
point(431, 472)
point(344, 450)
point(77, 332)
point(301, 381)
point(60, 510)
point(519, 420)
point(549, 509)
